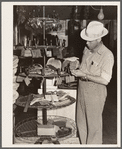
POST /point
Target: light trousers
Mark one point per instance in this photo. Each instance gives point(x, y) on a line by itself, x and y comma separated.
point(90, 104)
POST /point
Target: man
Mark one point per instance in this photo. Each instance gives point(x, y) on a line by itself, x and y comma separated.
point(94, 74)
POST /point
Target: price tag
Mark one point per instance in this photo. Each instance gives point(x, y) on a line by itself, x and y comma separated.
point(27, 81)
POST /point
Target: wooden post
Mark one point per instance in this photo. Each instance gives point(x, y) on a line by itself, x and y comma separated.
point(44, 116)
point(44, 111)
point(44, 56)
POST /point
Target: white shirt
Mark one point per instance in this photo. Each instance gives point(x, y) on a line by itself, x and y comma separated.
point(99, 63)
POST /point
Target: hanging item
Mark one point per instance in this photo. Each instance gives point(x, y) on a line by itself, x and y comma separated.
point(36, 24)
point(36, 53)
point(27, 52)
point(34, 21)
point(70, 79)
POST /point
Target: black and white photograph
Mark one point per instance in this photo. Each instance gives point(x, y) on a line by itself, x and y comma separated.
point(60, 74)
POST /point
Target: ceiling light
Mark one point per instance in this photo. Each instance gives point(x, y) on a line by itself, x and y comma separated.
point(101, 15)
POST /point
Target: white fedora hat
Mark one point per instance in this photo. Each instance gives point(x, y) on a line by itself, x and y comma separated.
point(94, 30)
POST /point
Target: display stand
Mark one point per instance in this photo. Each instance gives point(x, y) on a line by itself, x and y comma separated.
point(25, 101)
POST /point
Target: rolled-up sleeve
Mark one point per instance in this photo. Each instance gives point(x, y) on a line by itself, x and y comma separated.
point(107, 67)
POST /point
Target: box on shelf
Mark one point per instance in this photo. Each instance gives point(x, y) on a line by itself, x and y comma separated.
point(45, 130)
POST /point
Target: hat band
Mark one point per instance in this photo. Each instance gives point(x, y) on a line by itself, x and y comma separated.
point(93, 35)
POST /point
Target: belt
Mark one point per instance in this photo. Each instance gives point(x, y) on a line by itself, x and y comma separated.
point(86, 80)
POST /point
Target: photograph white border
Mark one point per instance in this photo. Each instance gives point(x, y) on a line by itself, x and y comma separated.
point(7, 73)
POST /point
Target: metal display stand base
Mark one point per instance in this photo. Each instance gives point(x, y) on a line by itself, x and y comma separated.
point(27, 130)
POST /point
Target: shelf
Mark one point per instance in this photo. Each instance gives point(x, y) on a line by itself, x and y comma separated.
point(38, 46)
point(21, 101)
point(27, 131)
point(43, 76)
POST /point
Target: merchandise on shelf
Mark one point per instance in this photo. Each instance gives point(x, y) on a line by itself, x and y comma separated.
point(15, 84)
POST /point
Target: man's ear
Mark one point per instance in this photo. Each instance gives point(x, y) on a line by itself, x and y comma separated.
point(99, 39)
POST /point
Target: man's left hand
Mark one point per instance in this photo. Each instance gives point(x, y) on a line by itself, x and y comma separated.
point(78, 73)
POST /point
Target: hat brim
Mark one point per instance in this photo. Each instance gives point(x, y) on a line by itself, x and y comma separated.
point(85, 37)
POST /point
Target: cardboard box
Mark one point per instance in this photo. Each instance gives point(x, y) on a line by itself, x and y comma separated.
point(46, 130)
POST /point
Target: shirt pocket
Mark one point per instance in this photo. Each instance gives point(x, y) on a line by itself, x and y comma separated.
point(94, 68)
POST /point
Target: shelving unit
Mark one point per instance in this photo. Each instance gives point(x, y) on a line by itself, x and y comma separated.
point(25, 101)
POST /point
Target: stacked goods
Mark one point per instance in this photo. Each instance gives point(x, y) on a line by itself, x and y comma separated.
point(54, 63)
point(51, 98)
point(15, 84)
point(34, 69)
point(72, 63)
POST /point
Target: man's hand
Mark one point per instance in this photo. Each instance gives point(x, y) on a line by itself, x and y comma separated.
point(78, 73)
point(97, 79)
